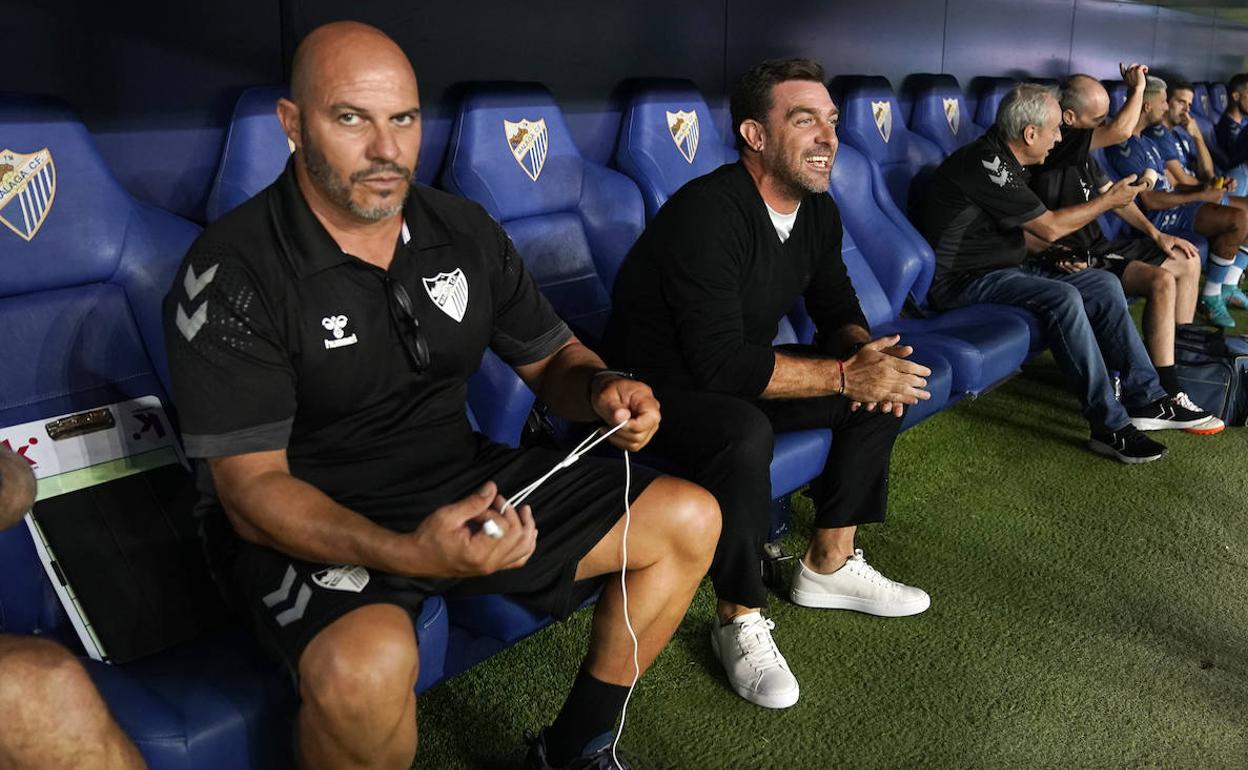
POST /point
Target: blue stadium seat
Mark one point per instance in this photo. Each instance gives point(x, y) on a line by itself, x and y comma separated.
point(939, 112)
point(1117, 91)
point(1202, 105)
point(983, 344)
point(1218, 101)
point(991, 91)
point(84, 309)
point(667, 137)
point(574, 221)
point(255, 150)
point(872, 123)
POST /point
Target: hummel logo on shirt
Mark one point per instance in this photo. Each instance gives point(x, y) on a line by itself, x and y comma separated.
point(336, 325)
point(996, 173)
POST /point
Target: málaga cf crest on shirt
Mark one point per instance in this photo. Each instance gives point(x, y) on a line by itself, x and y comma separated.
point(528, 142)
point(683, 127)
point(27, 187)
point(449, 291)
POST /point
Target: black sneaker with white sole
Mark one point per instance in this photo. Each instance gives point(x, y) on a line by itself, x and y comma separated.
point(1176, 411)
point(1127, 444)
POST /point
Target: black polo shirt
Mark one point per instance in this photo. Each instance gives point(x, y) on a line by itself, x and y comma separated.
point(277, 339)
point(1070, 176)
point(973, 216)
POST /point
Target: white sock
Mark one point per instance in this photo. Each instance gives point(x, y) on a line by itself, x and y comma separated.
point(1232, 275)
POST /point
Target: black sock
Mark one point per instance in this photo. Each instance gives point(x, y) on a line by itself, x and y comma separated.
point(591, 711)
point(1169, 379)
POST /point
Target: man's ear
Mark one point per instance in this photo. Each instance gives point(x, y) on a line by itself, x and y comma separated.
point(753, 133)
point(288, 115)
point(1069, 117)
point(1030, 133)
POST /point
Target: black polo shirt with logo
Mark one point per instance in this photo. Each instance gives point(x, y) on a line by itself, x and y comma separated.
point(973, 216)
point(1070, 176)
point(277, 339)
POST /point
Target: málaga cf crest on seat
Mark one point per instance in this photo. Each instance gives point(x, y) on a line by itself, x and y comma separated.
point(684, 129)
point(528, 143)
point(27, 187)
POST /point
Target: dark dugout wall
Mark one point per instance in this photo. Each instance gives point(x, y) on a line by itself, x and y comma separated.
point(156, 81)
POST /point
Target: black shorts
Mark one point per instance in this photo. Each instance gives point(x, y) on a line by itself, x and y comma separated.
point(290, 601)
point(1116, 254)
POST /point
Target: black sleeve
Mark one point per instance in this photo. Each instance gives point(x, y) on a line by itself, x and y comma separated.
point(233, 380)
point(526, 327)
point(996, 186)
point(706, 245)
point(830, 298)
point(1096, 176)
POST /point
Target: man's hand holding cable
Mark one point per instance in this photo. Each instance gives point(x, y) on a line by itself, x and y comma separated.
point(450, 542)
point(880, 374)
point(615, 398)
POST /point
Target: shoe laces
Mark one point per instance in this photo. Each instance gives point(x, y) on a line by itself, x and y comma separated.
point(754, 638)
point(859, 566)
point(1183, 400)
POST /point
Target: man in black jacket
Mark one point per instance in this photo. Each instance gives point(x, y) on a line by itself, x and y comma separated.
point(696, 306)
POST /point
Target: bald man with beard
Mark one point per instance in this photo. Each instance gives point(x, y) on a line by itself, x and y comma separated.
point(348, 306)
point(53, 716)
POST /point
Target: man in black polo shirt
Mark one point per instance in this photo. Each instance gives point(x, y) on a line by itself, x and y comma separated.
point(320, 337)
point(53, 716)
point(1163, 268)
point(979, 206)
point(696, 306)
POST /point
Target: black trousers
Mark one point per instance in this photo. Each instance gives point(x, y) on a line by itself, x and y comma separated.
point(724, 443)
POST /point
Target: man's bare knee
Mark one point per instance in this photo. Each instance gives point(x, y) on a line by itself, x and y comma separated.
point(45, 682)
point(692, 518)
point(365, 662)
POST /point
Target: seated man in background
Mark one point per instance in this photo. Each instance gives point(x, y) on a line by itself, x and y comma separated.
point(695, 308)
point(1227, 131)
point(350, 306)
point(976, 214)
point(53, 716)
point(1180, 142)
point(1201, 207)
point(1163, 268)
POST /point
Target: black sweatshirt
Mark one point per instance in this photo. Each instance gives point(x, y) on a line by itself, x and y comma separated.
point(699, 297)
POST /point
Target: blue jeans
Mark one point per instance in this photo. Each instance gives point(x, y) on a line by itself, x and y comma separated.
point(1088, 328)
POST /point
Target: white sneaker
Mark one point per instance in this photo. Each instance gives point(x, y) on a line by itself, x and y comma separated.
point(755, 668)
point(857, 586)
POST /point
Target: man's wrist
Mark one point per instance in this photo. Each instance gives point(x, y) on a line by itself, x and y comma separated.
point(599, 378)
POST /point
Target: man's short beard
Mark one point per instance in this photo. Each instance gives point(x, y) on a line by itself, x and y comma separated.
point(791, 177)
point(338, 192)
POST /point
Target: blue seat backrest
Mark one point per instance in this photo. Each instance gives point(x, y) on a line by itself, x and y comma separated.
point(939, 112)
point(667, 138)
point(255, 151)
point(572, 221)
point(83, 269)
point(1202, 105)
point(1117, 91)
point(991, 92)
point(899, 258)
point(871, 121)
point(1218, 100)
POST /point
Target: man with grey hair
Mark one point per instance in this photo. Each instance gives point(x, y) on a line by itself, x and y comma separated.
point(1201, 207)
point(54, 718)
point(1163, 268)
point(975, 217)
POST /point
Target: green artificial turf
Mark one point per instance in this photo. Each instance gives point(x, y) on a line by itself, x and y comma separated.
point(1084, 613)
